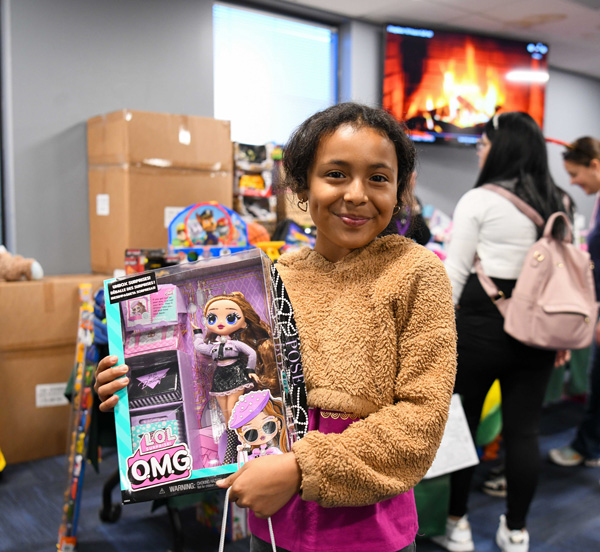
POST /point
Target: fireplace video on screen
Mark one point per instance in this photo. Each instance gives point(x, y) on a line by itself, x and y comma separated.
point(445, 85)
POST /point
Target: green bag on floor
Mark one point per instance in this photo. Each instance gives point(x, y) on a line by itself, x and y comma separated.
point(556, 386)
point(432, 497)
point(561, 386)
point(579, 368)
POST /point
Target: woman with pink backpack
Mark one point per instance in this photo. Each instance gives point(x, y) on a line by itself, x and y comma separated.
point(512, 154)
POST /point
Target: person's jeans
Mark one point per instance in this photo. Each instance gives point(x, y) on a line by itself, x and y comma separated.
point(587, 440)
point(257, 545)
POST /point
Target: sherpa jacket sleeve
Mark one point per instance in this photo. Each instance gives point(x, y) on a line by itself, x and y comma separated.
point(389, 451)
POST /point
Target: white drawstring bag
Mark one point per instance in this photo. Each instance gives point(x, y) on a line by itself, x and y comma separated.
point(224, 525)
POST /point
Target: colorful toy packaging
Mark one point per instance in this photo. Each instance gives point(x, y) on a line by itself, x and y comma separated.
point(81, 405)
point(207, 230)
point(294, 236)
point(139, 260)
point(215, 377)
point(253, 168)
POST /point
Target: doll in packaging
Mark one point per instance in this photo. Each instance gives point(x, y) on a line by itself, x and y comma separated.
point(240, 346)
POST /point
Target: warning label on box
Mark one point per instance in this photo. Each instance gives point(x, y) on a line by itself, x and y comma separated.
point(129, 288)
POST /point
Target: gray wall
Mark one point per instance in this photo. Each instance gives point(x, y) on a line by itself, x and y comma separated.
point(67, 60)
point(572, 111)
point(73, 59)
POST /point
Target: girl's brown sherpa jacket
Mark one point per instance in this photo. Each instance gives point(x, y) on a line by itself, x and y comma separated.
point(378, 341)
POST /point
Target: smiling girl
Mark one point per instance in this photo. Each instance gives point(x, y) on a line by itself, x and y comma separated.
point(376, 324)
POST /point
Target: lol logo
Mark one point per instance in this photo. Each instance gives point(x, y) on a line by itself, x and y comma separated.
point(158, 460)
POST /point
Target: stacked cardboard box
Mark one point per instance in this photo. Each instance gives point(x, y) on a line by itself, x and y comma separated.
point(38, 332)
point(143, 169)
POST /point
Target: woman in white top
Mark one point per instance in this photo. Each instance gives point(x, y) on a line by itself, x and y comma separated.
point(512, 153)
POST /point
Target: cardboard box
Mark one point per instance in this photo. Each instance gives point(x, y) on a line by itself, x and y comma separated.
point(39, 322)
point(160, 140)
point(34, 421)
point(38, 330)
point(131, 207)
point(42, 313)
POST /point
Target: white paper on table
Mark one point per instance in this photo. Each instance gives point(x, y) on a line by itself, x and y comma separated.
point(457, 450)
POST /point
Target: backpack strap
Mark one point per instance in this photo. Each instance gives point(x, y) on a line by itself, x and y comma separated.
point(495, 294)
point(488, 285)
point(521, 205)
point(568, 237)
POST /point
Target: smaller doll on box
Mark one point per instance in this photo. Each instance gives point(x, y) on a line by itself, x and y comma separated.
point(138, 309)
point(240, 344)
point(258, 421)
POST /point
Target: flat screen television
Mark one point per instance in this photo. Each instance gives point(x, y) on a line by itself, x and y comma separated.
point(446, 85)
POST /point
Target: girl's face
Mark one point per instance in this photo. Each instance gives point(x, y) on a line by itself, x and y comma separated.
point(260, 429)
point(352, 189)
point(483, 148)
point(224, 317)
point(586, 177)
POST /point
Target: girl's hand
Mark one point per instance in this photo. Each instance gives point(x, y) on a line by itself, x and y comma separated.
point(107, 384)
point(264, 484)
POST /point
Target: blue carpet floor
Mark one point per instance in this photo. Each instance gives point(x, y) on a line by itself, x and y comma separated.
point(565, 515)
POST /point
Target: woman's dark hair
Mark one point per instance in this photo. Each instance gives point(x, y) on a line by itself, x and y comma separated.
point(301, 149)
point(583, 151)
point(518, 152)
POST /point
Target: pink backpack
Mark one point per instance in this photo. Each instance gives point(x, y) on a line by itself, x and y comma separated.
point(553, 304)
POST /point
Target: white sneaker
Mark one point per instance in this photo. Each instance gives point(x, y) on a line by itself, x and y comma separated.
point(458, 537)
point(511, 540)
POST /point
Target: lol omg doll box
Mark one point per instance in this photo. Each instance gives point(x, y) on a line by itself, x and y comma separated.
point(214, 372)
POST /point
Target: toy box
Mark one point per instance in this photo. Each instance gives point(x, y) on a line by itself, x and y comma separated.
point(294, 236)
point(253, 168)
point(207, 229)
point(139, 260)
point(214, 372)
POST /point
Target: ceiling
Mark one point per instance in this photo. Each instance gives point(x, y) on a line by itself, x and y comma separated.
point(570, 27)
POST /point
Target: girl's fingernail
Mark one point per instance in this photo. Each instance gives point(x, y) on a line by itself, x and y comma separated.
point(123, 369)
point(113, 359)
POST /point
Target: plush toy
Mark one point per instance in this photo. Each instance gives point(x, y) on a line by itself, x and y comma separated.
point(16, 267)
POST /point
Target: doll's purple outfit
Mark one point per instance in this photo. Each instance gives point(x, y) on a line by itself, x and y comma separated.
point(304, 526)
point(234, 375)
